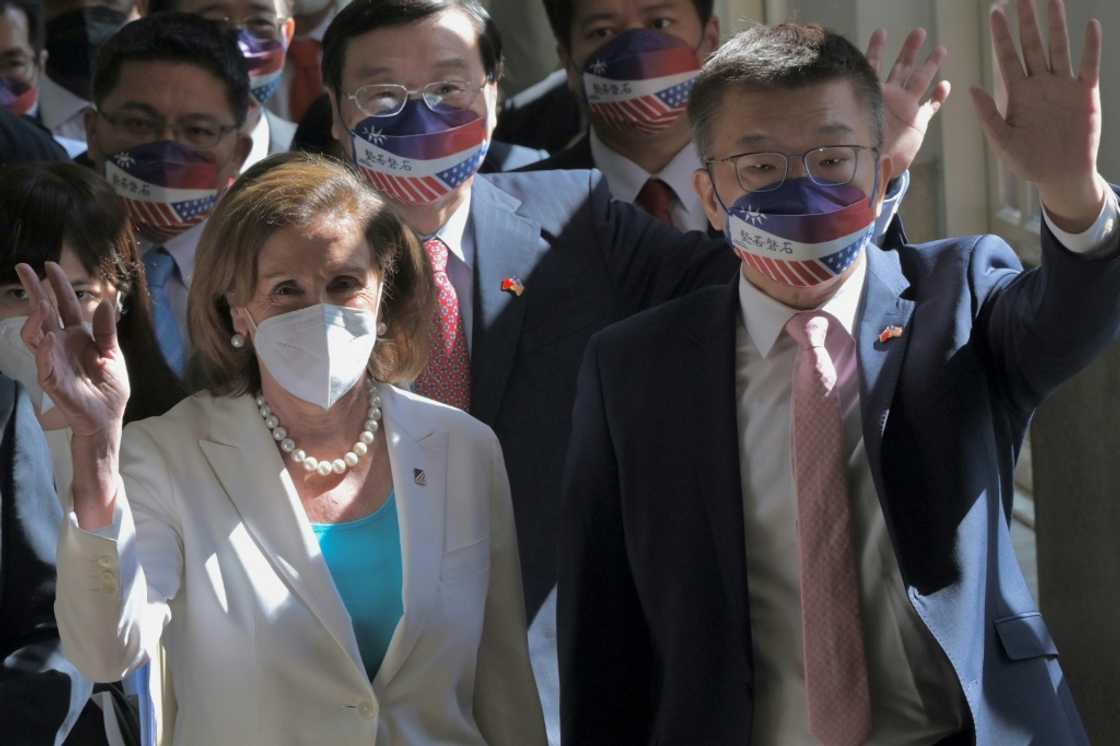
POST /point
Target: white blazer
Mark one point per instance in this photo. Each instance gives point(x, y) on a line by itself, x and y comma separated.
point(212, 550)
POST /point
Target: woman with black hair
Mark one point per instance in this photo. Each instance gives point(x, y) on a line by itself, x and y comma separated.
point(61, 212)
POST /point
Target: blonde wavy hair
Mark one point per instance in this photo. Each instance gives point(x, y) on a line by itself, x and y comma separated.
point(297, 189)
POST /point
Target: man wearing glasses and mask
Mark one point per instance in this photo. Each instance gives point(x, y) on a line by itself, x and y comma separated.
point(264, 32)
point(527, 265)
point(171, 93)
point(787, 500)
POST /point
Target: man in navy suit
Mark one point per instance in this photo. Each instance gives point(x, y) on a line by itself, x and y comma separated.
point(537, 261)
point(787, 500)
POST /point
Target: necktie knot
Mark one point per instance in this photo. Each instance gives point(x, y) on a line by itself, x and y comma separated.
point(159, 266)
point(437, 254)
point(656, 198)
point(809, 329)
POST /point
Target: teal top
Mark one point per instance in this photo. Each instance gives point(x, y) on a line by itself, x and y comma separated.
point(364, 557)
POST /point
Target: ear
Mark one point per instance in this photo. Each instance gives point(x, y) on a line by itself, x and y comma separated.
point(288, 30)
point(339, 131)
point(89, 119)
point(706, 190)
point(241, 325)
point(241, 151)
point(886, 173)
point(575, 81)
point(709, 42)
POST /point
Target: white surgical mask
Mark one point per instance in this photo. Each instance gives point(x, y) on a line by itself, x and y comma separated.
point(18, 363)
point(318, 353)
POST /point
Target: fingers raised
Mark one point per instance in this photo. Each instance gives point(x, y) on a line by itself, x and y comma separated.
point(1034, 54)
point(105, 327)
point(69, 309)
point(43, 317)
point(900, 73)
point(1090, 71)
point(990, 119)
point(924, 75)
point(1006, 55)
point(875, 49)
point(1060, 63)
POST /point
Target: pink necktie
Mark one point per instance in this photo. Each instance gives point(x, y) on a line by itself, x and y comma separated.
point(447, 378)
point(835, 664)
point(656, 198)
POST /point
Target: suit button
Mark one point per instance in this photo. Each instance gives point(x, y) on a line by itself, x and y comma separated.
point(365, 709)
point(105, 561)
point(108, 577)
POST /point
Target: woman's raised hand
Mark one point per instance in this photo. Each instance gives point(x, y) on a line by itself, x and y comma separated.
point(83, 372)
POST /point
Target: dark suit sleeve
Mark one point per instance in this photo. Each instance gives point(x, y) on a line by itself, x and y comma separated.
point(606, 676)
point(1043, 326)
point(35, 680)
point(650, 262)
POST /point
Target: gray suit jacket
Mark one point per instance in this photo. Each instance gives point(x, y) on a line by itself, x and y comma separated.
point(280, 132)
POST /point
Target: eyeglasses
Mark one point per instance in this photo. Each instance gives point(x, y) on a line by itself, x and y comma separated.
point(199, 132)
point(830, 165)
point(388, 99)
point(263, 27)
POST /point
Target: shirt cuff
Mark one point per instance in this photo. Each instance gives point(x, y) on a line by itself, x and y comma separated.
point(1098, 234)
point(112, 531)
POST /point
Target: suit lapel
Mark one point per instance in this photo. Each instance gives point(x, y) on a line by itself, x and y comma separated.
point(507, 245)
point(271, 510)
point(880, 362)
point(419, 462)
point(715, 439)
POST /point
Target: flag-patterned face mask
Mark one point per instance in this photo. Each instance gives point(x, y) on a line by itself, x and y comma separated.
point(640, 79)
point(801, 234)
point(419, 157)
point(265, 59)
point(17, 97)
point(168, 187)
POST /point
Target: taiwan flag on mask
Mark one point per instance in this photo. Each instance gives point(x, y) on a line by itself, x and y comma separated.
point(168, 187)
point(419, 157)
point(265, 59)
point(640, 79)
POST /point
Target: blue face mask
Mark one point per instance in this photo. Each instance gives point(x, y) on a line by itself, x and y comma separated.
point(420, 156)
point(640, 79)
point(801, 234)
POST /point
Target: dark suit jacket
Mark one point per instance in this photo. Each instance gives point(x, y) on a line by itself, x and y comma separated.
point(575, 155)
point(545, 115)
point(585, 261)
point(41, 692)
point(654, 624)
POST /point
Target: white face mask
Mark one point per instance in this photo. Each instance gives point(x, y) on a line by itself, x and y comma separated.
point(317, 353)
point(18, 363)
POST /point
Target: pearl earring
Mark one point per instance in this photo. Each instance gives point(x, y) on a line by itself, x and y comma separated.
point(382, 329)
point(237, 341)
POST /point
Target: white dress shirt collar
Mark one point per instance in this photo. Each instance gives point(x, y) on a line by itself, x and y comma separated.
point(765, 318)
point(58, 105)
point(260, 137)
point(454, 229)
point(626, 178)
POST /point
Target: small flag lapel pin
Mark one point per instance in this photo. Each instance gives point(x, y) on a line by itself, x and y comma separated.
point(513, 285)
point(420, 477)
point(891, 332)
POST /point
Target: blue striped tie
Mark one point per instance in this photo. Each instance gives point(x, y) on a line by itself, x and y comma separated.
point(160, 266)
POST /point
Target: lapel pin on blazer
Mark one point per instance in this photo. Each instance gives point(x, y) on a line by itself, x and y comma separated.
point(513, 286)
point(420, 477)
point(891, 332)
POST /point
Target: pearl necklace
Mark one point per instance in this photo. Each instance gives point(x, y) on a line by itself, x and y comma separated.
point(326, 466)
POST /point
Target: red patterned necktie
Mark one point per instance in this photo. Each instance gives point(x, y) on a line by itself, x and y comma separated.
point(447, 378)
point(656, 198)
point(835, 662)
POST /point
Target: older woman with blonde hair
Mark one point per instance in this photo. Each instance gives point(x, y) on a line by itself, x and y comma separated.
point(328, 558)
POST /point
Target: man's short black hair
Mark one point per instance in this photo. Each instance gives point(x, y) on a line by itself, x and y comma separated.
point(167, 6)
point(36, 31)
point(362, 16)
point(782, 57)
point(561, 15)
point(176, 37)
